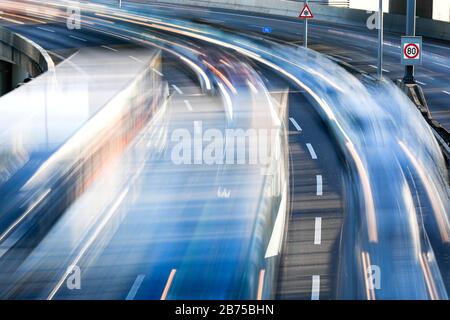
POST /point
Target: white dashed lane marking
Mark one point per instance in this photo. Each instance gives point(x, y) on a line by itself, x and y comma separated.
point(188, 105)
point(78, 38)
point(109, 48)
point(319, 188)
point(318, 230)
point(136, 59)
point(136, 285)
point(315, 290)
point(157, 72)
point(296, 125)
point(177, 89)
point(311, 151)
point(45, 29)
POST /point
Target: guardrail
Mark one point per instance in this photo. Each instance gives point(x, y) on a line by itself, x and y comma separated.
point(442, 135)
point(275, 200)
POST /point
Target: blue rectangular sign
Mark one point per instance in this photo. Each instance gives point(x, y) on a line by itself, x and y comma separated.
point(266, 29)
point(411, 51)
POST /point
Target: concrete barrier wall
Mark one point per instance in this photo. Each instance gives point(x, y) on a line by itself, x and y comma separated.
point(24, 53)
point(393, 23)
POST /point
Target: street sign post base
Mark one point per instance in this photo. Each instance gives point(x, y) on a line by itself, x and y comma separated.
point(409, 75)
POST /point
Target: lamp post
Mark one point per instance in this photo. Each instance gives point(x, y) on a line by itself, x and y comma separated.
point(380, 39)
point(306, 29)
point(410, 31)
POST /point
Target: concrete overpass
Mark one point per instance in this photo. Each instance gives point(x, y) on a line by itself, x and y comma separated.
point(20, 59)
point(431, 9)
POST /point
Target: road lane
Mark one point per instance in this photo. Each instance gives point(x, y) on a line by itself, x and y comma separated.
point(354, 45)
point(303, 258)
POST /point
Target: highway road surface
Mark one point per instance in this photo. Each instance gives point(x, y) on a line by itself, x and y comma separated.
point(353, 179)
point(350, 44)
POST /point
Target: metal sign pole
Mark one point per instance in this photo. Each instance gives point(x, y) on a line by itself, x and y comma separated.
point(306, 30)
point(410, 31)
point(380, 39)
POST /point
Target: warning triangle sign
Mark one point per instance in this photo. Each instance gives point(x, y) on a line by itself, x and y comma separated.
point(306, 13)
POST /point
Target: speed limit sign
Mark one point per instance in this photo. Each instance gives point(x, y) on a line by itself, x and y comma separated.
point(411, 51)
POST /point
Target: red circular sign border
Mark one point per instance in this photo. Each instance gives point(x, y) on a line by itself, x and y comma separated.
point(414, 45)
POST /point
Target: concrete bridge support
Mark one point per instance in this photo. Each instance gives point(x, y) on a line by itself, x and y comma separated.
point(424, 8)
point(5, 77)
